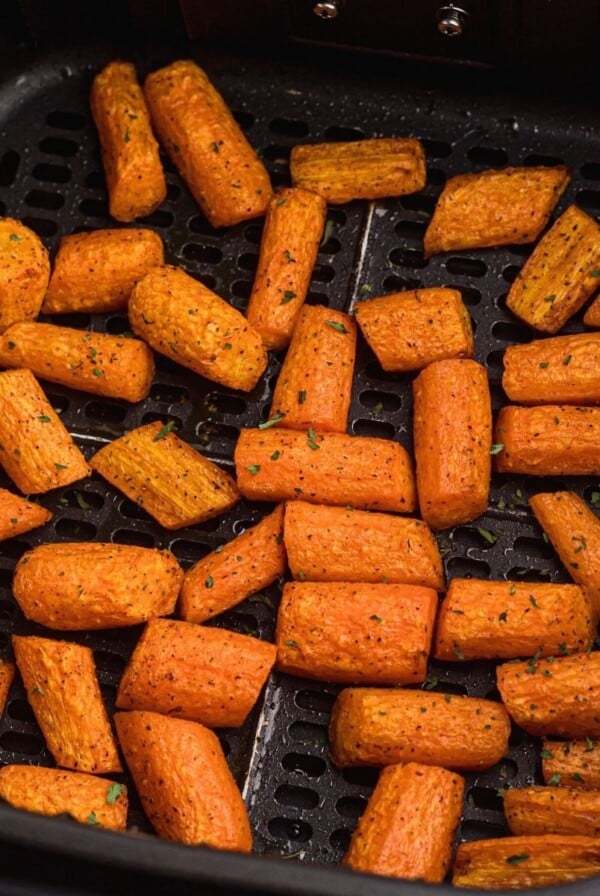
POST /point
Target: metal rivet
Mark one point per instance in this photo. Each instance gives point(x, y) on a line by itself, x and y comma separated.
point(326, 9)
point(451, 20)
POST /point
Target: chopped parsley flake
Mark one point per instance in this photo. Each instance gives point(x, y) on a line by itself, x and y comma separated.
point(164, 431)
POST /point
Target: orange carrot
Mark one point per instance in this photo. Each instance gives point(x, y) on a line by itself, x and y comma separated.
point(574, 763)
point(18, 515)
point(552, 810)
point(7, 674)
point(536, 373)
point(24, 272)
point(591, 318)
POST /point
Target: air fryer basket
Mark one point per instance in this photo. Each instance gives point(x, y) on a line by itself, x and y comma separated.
point(301, 808)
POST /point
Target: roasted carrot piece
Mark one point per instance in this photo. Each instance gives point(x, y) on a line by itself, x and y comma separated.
point(554, 696)
point(18, 515)
point(548, 440)
point(230, 574)
point(560, 274)
point(314, 386)
point(36, 450)
point(494, 208)
point(409, 330)
point(407, 829)
point(188, 671)
point(7, 674)
point(333, 544)
point(182, 319)
point(574, 763)
point(288, 251)
point(134, 175)
point(206, 144)
point(514, 863)
point(113, 366)
point(452, 431)
point(324, 468)
point(52, 791)
point(355, 633)
point(89, 585)
point(381, 726)
point(591, 318)
point(163, 474)
point(183, 780)
point(95, 272)
point(573, 529)
point(24, 272)
point(560, 370)
point(362, 169)
point(501, 620)
point(62, 688)
point(552, 810)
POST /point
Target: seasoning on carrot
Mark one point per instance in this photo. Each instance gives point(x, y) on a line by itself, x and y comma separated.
point(572, 763)
point(552, 810)
point(536, 373)
point(24, 272)
point(17, 515)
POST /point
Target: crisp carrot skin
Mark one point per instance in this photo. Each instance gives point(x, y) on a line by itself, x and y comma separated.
point(558, 370)
point(18, 515)
point(549, 440)
point(64, 694)
point(206, 675)
point(501, 620)
point(573, 529)
point(560, 274)
point(409, 330)
point(7, 674)
point(288, 251)
point(163, 474)
point(552, 810)
point(206, 144)
point(113, 366)
point(379, 726)
point(24, 272)
point(494, 208)
point(181, 318)
point(95, 272)
point(36, 450)
point(515, 863)
point(183, 781)
point(591, 318)
point(363, 169)
point(407, 829)
point(52, 791)
point(85, 585)
point(355, 633)
point(574, 763)
point(314, 386)
point(452, 428)
point(556, 696)
point(333, 544)
point(324, 468)
point(229, 575)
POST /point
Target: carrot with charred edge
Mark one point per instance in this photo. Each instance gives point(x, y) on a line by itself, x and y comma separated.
point(555, 696)
point(409, 330)
point(63, 691)
point(52, 791)
point(324, 468)
point(573, 530)
point(494, 208)
point(502, 620)
point(560, 274)
point(92, 586)
point(333, 544)
point(95, 272)
point(552, 810)
point(380, 726)
point(206, 144)
point(134, 175)
point(163, 474)
point(314, 386)
point(536, 373)
point(355, 634)
point(452, 431)
point(362, 169)
point(36, 450)
point(407, 829)
point(24, 272)
point(193, 672)
point(515, 863)
point(230, 574)
point(7, 674)
point(182, 319)
point(548, 440)
point(99, 363)
point(574, 763)
point(288, 251)
point(183, 780)
point(18, 515)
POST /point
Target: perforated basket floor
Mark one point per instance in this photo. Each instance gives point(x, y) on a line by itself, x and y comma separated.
point(51, 178)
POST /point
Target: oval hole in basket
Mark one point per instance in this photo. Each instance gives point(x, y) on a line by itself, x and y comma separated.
point(248, 261)
point(314, 701)
point(216, 435)
point(511, 332)
point(103, 412)
point(42, 226)
point(489, 156)
point(94, 208)
point(340, 839)
point(408, 258)
point(526, 574)
point(411, 231)
point(533, 547)
point(290, 829)
point(68, 121)
point(289, 127)
point(18, 742)
point(377, 428)
point(374, 372)
point(480, 829)
point(21, 711)
point(323, 273)
point(243, 118)
point(159, 218)
point(590, 170)
point(588, 200)
point(218, 403)
point(14, 549)
point(351, 807)
point(337, 134)
point(511, 272)
point(109, 662)
point(308, 733)
point(537, 159)
point(437, 149)
point(297, 797)
point(418, 202)
point(79, 530)
point(393, 283)
point(165, 419)
point(370, 398)
point(467, 267)
point(331, 247)
point(44, 199)
point(190, 551)
point(277, 154)
point(485, 798)
point(468, 568)
point(311, 766)
point(253, 233)
point(494, 362)
point(169, 394)
point(9, 165)
point(59, 146)
point(129, 536)
point(435, 177)
point(361, 777)
point(317, 298)
point(203, 254)
point(83, 500)
point(517, 736)
point(241, 289)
